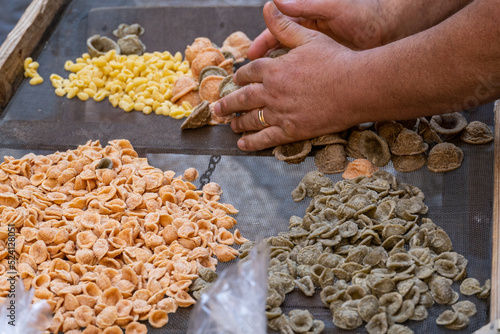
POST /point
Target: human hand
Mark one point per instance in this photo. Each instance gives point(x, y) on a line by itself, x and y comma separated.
point(360, 24)
point(356, 24)
point(303, 94)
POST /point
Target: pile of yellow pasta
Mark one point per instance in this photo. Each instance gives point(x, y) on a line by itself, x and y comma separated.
point(142, 83)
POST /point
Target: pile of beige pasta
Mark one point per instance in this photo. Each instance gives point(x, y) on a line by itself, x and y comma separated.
point(410, 145)
point(108, 240)
point(363, 243)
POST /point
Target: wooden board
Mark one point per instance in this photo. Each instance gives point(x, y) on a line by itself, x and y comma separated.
point(21, 42)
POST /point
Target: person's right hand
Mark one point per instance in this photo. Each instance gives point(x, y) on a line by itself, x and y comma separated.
point(358, 24)
point(303, 94)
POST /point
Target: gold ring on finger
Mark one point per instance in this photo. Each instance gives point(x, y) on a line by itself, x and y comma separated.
point(262, 119)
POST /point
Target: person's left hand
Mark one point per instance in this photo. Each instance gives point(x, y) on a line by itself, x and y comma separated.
point(303, 94)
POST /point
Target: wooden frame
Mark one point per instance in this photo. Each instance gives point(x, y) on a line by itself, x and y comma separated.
point(22, 41)
point(495, 265)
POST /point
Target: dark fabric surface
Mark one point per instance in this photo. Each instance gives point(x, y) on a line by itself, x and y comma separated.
point(10, 14)
point(31, 117)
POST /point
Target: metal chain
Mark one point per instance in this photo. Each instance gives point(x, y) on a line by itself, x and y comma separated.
point(205, 178)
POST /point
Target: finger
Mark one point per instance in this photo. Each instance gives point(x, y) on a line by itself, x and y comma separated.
point(269, 137)
point(253, 72)
point(250, 121)
point(246, 98)
point(261, 44)
point(288, 32)
point(309, 9)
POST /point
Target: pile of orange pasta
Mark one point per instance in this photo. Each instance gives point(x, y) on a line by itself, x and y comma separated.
point(108, 240)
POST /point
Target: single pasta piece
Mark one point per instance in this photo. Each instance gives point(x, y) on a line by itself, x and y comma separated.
point(359, 167)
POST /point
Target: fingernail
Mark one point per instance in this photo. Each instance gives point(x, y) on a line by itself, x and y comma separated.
point(217, 110)
point(241, 144)
point(273, 10)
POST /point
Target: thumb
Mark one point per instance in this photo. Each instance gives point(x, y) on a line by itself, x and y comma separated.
point(288, 32)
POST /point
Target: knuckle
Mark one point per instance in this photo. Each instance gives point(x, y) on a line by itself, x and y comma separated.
point(234, 125)
point(242, 96)
point(223, 105)
point(246, 96)
point(251, 145)
point(287, 27)
point(245, 74)
point(289, 127)
point(257, 65)
point(237, 125)
point(270, 138)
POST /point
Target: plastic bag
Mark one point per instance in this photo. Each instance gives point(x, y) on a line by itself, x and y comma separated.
point(19, 316)
point(236, 302)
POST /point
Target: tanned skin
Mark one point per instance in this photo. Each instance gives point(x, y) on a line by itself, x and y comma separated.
point(361, 61)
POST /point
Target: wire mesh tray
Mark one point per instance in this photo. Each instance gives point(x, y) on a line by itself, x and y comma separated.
point(458, 201)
